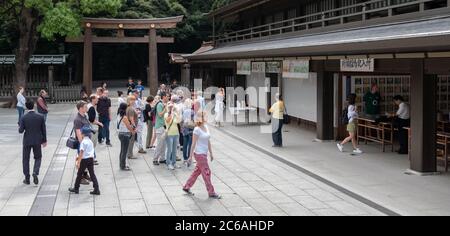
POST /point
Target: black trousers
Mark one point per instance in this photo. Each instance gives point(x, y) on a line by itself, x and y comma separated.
point(277, 135)
point(402, 134)
point(37, 151)
point(89, 165)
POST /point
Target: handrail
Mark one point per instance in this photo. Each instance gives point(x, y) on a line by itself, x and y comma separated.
point(320, 17)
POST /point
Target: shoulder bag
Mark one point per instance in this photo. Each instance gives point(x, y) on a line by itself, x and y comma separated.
point(72, 142)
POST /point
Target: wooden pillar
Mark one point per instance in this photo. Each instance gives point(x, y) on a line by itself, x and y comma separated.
point(423, 119)
point(153, 63)
point(50, 80)
point(87, 60)
point(325, 102)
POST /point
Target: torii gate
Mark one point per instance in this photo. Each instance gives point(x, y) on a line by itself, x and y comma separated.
point(120, 25)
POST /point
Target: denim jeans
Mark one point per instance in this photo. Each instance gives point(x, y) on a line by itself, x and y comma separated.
point(124, 142)
point(103, 132)
point(20, 110)
point(277, 132)
point(187, 143)
point(171, 149)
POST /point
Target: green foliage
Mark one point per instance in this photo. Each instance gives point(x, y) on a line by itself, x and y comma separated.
point(55, 18)
point(60, 20)
point(93, 7)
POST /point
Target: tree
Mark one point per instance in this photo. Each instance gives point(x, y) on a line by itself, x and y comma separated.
point(32, 19)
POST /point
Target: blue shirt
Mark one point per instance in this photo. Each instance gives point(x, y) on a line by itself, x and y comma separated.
point(140, 88)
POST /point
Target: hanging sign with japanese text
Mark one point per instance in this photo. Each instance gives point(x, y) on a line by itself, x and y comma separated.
point(273, 67)
point(258, 67)
point(296, 69)
point(244, 67)
point(358, 65)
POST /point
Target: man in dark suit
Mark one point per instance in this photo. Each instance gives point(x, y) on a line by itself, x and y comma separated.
point(33, 124)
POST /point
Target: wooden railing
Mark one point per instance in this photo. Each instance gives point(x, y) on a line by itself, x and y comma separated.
point(57, 93)
point(342, 15)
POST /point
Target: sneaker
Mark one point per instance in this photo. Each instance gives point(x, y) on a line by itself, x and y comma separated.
point(171, 167)
point(142, 151)
point(357, 151)
point(215, 196)
point(74, 190)
point(108, 144)
point(188, 191)
point(340, 147)
point(177, 166)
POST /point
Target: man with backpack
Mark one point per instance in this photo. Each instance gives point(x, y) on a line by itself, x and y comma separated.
point(160, 130)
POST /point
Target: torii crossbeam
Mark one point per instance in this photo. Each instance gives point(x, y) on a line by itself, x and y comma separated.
point(120, 25)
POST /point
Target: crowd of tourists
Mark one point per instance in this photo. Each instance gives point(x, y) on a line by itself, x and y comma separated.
point(174, 123)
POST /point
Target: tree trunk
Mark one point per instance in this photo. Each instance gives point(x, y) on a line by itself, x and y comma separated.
point(28, 37)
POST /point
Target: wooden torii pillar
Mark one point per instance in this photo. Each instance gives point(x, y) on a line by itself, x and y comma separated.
point(152, 25)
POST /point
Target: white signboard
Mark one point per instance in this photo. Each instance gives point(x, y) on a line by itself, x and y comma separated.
point(296, 69)
point(259, 67)
point(244, 67)
point(273, 67)
point(358, 65)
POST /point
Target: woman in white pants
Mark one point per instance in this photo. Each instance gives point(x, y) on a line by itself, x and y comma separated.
point(218, 109)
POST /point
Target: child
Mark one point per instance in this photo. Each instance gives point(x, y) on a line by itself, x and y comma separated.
point(85, 160)
point(140, 88)
point(352, 115)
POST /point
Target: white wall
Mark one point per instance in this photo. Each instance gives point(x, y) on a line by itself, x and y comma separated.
point(257, 80)
point(300, 96)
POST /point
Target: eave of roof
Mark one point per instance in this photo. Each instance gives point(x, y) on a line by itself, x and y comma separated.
point(235, 6)
point(400, 36)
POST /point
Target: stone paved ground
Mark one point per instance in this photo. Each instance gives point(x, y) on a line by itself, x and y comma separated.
point(251, 182)
point(15, 198)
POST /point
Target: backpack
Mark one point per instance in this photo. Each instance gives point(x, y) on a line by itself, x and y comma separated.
point(345, 119)
point(153, 111)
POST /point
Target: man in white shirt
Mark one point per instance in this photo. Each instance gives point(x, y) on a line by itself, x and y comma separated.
point(402, 120)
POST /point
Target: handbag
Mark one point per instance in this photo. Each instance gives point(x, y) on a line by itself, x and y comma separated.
point(72, 142)
point(166, 131)
point(286, 117)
